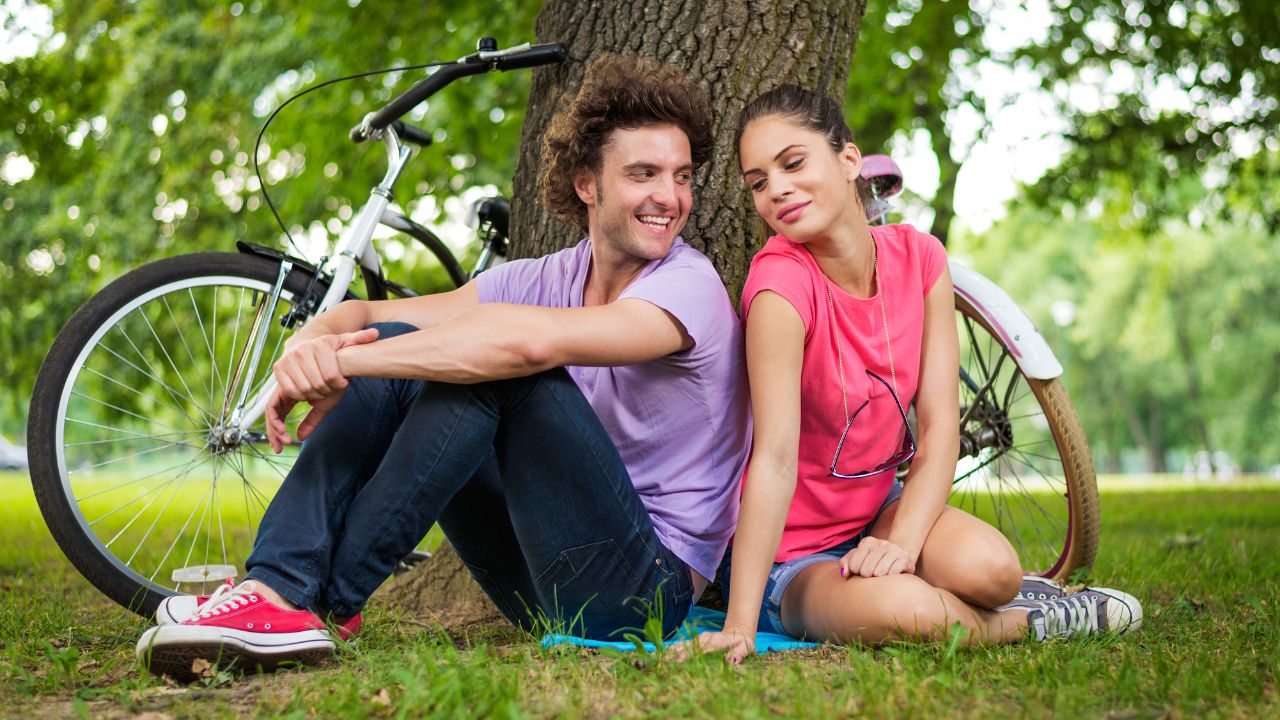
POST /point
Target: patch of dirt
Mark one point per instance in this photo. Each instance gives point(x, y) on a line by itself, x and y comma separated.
point(441, 591)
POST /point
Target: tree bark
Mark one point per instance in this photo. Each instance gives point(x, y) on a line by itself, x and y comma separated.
point(735, 49)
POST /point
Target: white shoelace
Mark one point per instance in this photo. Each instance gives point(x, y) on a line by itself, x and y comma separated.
point(227, 598)
point(1070, 615)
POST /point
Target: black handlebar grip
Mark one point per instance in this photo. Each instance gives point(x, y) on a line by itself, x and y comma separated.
point(357, 134)
point(547, 54)
point(424, 89)
point(415, 135)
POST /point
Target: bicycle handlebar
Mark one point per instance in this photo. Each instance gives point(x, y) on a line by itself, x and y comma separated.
point(521, 56)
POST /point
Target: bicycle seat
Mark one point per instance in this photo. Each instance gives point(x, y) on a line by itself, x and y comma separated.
point(497, 212)
point(883, 174)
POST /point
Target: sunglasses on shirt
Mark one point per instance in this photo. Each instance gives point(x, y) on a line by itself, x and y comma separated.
point(907, 451)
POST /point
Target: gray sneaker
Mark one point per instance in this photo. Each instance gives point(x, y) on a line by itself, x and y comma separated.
point(1035, 590)
point(1092, 610)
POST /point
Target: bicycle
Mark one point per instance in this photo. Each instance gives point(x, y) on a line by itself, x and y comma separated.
point(150, 476)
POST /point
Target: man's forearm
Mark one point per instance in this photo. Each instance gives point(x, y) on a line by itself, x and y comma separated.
point(482, 343)
point(346, 316)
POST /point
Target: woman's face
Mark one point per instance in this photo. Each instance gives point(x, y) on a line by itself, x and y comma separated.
point(801, 187)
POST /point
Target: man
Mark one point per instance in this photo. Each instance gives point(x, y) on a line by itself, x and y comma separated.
point(577, 424)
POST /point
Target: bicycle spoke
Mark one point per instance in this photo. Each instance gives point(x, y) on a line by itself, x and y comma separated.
point(231, 358)
point(176, 539)
point(137, 392)
point(262, 500)
point(195, 536)
point(137, 454)
point(173, 394)
point(1037, 524)
point(127, 483)
point(1037, 518)
point(135, 436)
point(277, 465)
point(222, 535)
point(104, 403)
point(130, 433)
point(182, 335)
point(151, 371)
point(172, 365)
point(1020, 449)
point(219, 383)
point(174, 494)
point(159, 488)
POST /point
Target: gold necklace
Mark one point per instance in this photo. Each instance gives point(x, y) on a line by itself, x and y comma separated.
point(884, 319)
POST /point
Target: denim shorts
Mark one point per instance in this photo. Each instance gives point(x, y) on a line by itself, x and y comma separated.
point(784, 572)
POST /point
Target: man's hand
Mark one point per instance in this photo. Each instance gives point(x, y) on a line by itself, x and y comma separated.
point(736, 642)
point(309, 372)
point(876, 557)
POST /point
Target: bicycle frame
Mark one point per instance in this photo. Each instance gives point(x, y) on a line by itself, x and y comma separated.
point(354, 250)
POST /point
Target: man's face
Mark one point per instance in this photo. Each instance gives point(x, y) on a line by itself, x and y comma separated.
point(640, 200)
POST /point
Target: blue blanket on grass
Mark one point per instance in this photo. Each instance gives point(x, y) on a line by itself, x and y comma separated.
point(700, 619)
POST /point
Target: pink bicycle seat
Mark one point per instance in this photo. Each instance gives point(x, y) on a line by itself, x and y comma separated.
point(883, 174)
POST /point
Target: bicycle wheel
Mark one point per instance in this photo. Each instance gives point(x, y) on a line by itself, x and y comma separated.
point(1024, 463)
point(130, 470)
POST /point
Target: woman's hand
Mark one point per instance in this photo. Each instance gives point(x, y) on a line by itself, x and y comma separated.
point(736, 643)
point(876, 557)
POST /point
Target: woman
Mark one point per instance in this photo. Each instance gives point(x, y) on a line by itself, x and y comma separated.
point(847, 324)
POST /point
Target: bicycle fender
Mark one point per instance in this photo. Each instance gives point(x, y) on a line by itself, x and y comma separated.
point(274, 255)
point(1016, 331)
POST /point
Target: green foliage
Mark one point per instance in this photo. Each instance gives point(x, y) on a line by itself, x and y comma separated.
point(1175, 343)
point(906, 76)
point(140, 119)
point(1149, 89)
point(1199, 82)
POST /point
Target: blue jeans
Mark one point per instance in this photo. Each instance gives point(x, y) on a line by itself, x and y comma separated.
point(520, 474)
point(781, 575)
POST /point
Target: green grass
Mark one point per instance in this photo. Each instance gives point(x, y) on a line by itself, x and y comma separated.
point(1205, 561)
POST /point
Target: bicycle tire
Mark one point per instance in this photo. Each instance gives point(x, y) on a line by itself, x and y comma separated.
point(82, 361)
point(1045, 500)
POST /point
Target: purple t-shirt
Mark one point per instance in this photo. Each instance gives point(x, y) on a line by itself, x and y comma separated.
point(681, 423)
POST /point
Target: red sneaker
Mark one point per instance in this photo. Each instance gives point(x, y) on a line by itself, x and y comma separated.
point(236, 626)
point(176, 608)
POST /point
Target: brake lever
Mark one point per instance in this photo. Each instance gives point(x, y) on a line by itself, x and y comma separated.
point(490, 55)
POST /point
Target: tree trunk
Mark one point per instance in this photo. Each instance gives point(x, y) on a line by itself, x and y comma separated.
point(1155, 446)
point(944, 204)
point(1182, 337)
point(735, 49)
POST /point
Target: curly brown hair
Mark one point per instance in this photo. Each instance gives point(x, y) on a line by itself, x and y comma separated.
point(618, 93)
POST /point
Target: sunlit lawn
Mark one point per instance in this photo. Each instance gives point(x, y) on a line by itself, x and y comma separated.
point(1206, 562)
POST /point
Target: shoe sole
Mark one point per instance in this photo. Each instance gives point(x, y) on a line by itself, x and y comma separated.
point(174, 652)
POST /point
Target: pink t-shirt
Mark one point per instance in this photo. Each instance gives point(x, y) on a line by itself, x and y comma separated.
point(826, 510)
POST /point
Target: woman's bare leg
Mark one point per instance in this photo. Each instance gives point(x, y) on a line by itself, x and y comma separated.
point(821, 605)
point(964, 556)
